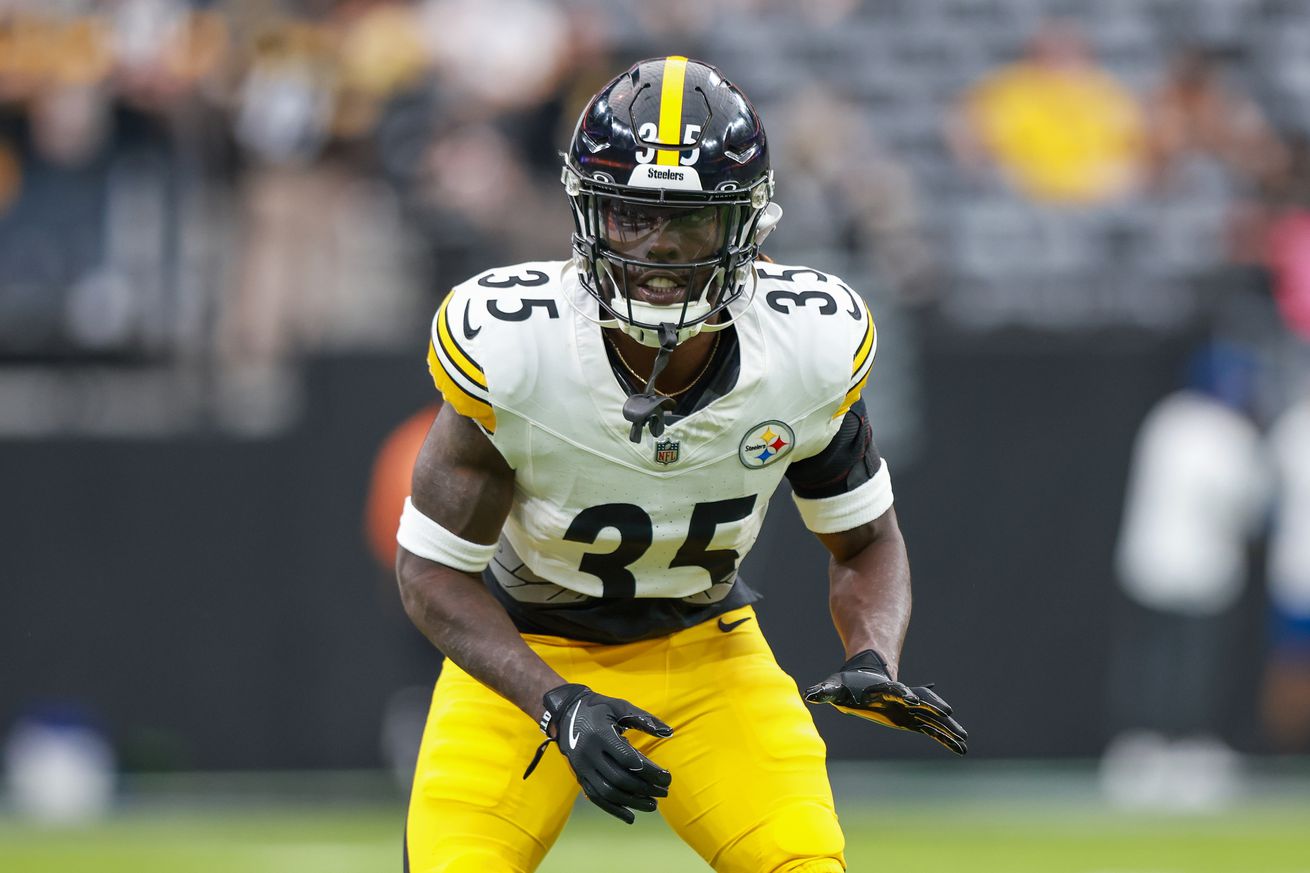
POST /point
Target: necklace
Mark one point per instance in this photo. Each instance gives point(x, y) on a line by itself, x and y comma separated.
point(684, 389)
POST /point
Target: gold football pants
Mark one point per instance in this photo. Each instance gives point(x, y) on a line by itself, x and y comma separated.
point(750, 788)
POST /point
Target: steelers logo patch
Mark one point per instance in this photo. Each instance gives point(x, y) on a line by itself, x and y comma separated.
point(765, 443)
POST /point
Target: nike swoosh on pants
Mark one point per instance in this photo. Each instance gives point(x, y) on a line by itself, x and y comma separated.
point(726, 626)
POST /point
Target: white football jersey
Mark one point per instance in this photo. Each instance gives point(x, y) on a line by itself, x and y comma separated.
point(518, 350)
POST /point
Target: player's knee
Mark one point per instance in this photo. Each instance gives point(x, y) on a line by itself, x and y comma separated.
point(491, 849)
point(480, 863)
point(794, 839)
point(455, 860)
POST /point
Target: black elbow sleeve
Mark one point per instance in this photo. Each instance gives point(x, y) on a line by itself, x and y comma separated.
point(849, 460)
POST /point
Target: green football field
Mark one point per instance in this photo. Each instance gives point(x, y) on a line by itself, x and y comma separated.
point(991, 831)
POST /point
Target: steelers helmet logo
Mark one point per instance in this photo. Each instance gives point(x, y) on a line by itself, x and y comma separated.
point(765, 443)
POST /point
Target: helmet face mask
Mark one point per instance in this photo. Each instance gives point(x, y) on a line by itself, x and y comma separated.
point(664, 264)
point(667, 176)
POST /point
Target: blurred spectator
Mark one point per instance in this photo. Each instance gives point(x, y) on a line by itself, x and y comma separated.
point(474, 153)
point(11, 175)
point(497, 56)
point(1196, 495)
point(286, 100)
point(59, 765)
point(96, 225)
point(1057, 126)
point(1286, 693)
point(380, 53)
point(324, 258)
point(1287, 242)
point(1195, 112)
point(873, 215)
point(469, 191)
point(62, 258)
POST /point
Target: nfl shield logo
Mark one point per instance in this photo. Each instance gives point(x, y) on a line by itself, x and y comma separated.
point(666, 451)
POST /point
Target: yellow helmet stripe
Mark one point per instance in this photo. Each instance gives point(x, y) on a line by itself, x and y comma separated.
point(670, 132)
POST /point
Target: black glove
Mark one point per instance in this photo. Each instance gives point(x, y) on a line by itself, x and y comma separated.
point(589, 729)
point(862, 687)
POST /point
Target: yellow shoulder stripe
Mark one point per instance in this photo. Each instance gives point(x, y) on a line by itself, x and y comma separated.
point(862, 355)
point(670, 130)
point(851, 396)
point(463, 402)
point(861, 362)
point(466, 365)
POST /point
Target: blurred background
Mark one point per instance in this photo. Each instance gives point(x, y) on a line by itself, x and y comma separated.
point(1083, 229)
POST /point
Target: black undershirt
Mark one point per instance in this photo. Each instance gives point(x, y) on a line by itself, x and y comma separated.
point(720, 376)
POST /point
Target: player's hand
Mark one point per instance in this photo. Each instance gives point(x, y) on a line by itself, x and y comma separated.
point(589, 729)
point(862, 687)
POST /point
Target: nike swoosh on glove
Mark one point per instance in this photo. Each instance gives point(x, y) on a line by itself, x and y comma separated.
point(862, 687)
point(589, 730)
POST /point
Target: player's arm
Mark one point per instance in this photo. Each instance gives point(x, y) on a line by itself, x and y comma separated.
point(845, 497)
point(462, 483)
point(869, 588)
point(462, 491)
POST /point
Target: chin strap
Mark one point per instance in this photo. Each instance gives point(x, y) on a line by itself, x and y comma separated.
point(647, 408)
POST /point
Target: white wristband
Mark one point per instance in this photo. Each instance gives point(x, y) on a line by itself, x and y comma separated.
point(427, 539)
point(843, 512)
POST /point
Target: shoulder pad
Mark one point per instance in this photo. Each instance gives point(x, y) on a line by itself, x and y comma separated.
point(830, 320)
point(484, 334)
point(454, 364)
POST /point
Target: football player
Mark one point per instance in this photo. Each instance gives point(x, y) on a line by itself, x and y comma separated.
point(614, 426)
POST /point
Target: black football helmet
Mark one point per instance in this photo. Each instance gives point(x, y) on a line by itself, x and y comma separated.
point(669, 142)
